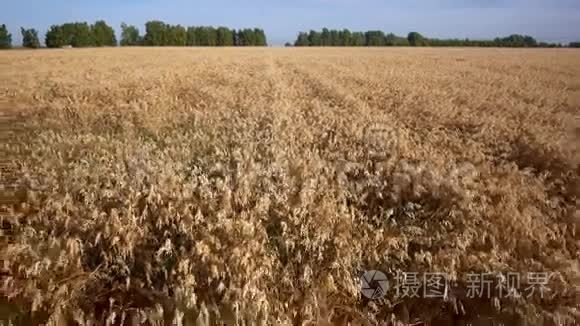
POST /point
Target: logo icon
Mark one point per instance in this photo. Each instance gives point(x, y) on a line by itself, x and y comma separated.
point(374, 284)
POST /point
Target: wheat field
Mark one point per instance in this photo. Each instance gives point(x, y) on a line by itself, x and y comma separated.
point(252, 186)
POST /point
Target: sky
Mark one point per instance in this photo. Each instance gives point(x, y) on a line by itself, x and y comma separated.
point(553, 21)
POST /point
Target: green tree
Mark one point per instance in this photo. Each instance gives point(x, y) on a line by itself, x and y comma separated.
point(191, 37)
point(201, 36)
point(176, 35)
point(130, 35)
point(206, 36)
point(516, 40)
point(302, 40)
point(73, 34)
point(358, 39)
point(260, 37)
point(416, 39)
point(5, 38)
point(155, 33)
point(103, 34)
point(394, 40)
point(390, 39)
point(247, 37)
point(314, 38)
point(334, 39)
point(69, 31)
point(82, 36)
point(236, 35)
point(345, 37)
point(211, 36)
point(325, 37)
point(30, 38)
point(225, 37)
point(378, 38)
point(530, 41)
point(375, 38)
point(55, 37)
point(574, 45)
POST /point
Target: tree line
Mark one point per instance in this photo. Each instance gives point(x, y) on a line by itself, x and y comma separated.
point(80, 35)
point(157, 33)
point(345, 37)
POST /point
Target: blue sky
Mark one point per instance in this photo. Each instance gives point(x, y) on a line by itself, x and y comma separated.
point(556, 20)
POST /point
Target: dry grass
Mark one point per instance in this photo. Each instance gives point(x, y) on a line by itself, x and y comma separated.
point(255, 185)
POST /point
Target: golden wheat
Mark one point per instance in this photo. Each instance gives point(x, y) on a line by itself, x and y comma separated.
point(254, 186)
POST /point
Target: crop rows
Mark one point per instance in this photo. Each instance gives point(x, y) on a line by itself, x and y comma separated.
point(200, 186)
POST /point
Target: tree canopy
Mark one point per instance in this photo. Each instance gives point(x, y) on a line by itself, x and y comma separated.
point(30, 38)
point(130, 35)
point(345, 37)
point(158, 33)
point(103, 34)
point(416, 39)
point(80, 34)
point(5, 38)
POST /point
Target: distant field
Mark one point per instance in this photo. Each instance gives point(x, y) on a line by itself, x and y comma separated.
point(256, 185)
